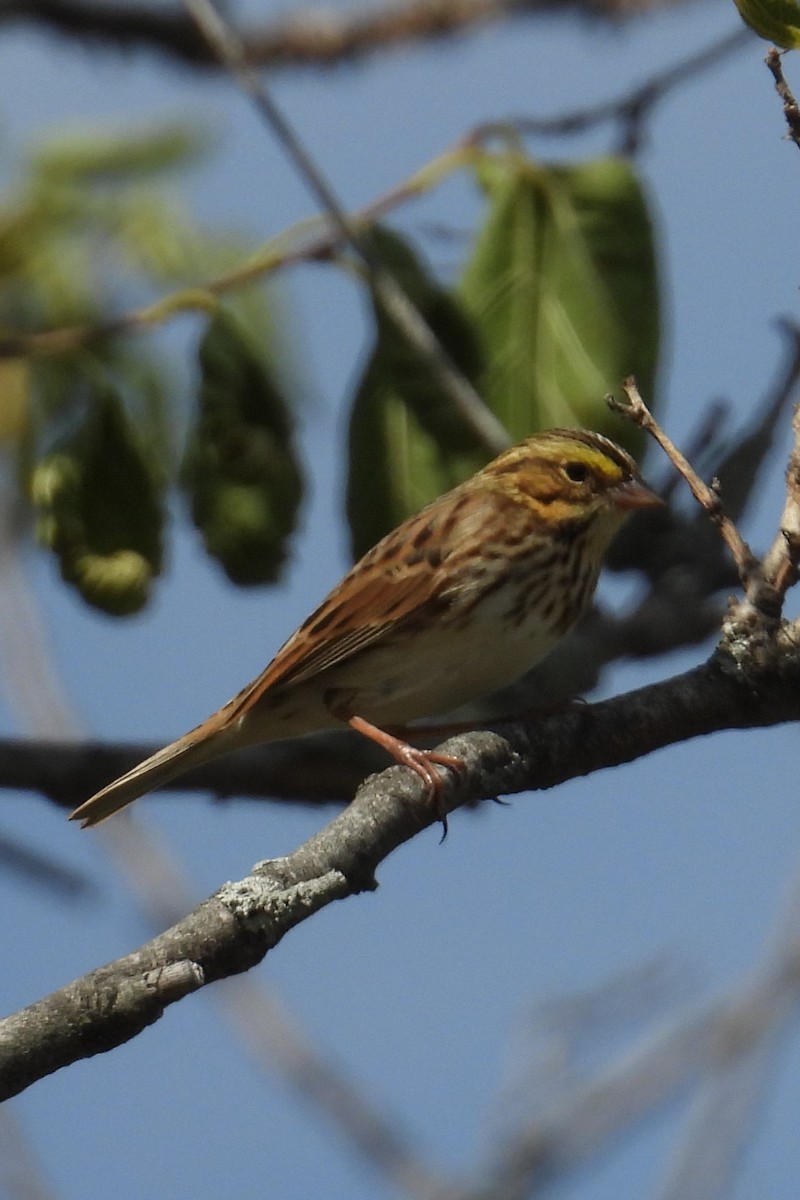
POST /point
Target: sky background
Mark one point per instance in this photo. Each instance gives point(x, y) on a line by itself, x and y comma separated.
point(424, 992)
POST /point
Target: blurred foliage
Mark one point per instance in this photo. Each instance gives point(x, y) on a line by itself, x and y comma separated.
point(87, 231)
point(558, 302)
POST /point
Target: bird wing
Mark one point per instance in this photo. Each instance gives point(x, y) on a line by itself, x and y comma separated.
point(403, 577)
point(341, 627)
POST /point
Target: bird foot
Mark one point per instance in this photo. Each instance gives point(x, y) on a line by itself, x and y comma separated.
point(422, 762)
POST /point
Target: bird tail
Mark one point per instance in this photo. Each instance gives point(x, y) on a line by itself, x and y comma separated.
point(191, 750)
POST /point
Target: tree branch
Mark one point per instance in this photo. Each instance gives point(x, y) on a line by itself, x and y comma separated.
point(322, 39)
point(321, 769)
point(233, 930)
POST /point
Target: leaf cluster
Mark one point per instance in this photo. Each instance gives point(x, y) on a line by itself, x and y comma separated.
point(556, 302)
point(87, 228)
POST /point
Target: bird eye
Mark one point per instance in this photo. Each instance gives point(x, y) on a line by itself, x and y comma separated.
point(576, 472)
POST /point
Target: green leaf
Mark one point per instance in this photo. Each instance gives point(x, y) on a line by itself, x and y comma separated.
point(97, 498)
point(562, 286)
point(777, 21)
point(407, 442)
point(240, 471)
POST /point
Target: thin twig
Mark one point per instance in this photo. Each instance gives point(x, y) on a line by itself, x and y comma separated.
point(758, 616)
point(471, 407)
point(318, 238)
point(707, 497)
point(791, 111)
point(309, 240)
point(628, 110)
point(707, 434)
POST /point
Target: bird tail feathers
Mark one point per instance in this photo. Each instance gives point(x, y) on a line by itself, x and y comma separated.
point(189, 751)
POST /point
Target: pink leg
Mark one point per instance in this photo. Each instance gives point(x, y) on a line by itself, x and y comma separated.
point(420, 761)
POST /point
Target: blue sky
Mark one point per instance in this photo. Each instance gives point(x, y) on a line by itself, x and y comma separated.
point(423, 991)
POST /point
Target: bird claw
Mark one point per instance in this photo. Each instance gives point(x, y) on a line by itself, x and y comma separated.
point(421, 762)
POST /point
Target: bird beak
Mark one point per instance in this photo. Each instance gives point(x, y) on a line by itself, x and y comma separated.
point(634, 493)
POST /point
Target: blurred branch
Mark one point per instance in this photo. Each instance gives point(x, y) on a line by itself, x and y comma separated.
point(388, 291)
point(235, 928)
point(21, 1176)
point(319, 39)
point(307, 241)
point(320, 769)
point(39, 869)
point(629, 111)
point(31, 689)
point(310, 240)
point(742, 1055)
point(722, 1048)
point(318, 238)
point(274, 1038)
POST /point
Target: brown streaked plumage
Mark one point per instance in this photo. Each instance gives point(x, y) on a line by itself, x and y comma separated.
point(459, 600)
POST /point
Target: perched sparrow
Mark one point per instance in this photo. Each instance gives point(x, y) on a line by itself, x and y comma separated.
point(458, 601)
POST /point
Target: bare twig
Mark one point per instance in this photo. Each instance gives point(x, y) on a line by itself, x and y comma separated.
point(707, 497)
point(307, 241)
point(707, 433)
point(318, 238)
point(791, 111)
point(629, 110)
point(764, 583)
point(41, 870)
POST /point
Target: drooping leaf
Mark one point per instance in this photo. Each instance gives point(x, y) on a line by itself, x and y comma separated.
point(98, 498)
point(240, 472)
point(408, 443)
point(562, 286)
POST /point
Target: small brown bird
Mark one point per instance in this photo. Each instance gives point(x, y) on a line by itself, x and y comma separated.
point(458, 601)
